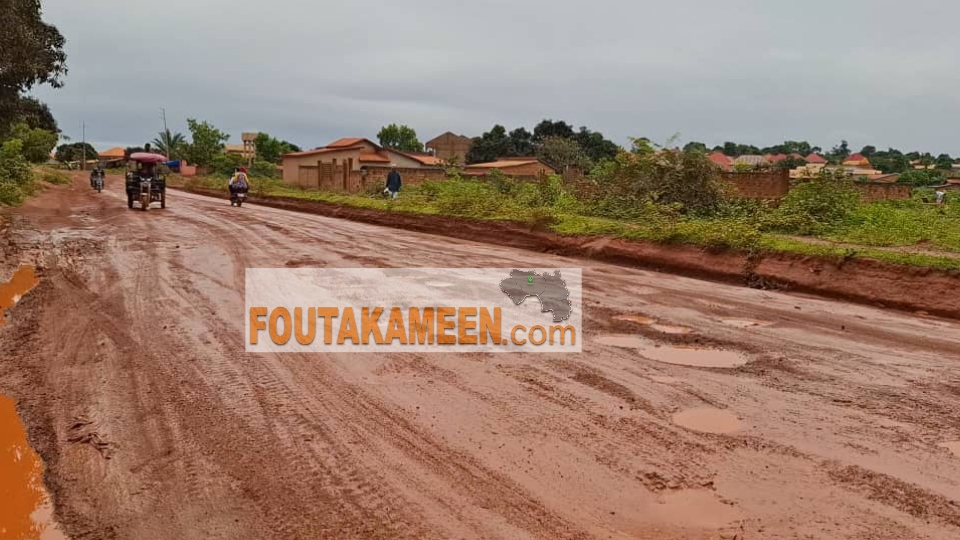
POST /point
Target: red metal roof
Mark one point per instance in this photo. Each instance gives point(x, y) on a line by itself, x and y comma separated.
point(815, 158)
point(720, 159)
point(856, 157)
point(350, 141)
point(323, 151)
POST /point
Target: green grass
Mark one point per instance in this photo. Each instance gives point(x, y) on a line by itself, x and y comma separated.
point(50, 175)
point(871, 226)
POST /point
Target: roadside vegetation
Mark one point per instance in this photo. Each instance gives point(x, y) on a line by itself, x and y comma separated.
point(676, 197)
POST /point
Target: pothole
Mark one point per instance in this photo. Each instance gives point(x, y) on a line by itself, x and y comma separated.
point(639, 319)
point(708, 420)
point(683, 355)
point(26, 512)
point(745, 323)
point(953, 446)
point(22, 282)
point(654, 324)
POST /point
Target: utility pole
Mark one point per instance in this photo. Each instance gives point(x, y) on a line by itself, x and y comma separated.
point(164, 113)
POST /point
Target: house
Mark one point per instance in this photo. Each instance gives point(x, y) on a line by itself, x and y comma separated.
point(511, 166)
point(450, 147)
point(952, 184)
point(112, 157)
point(815, 159)
point(346, 164)
point(883, 178)
point(721, 160)
point(857, 160)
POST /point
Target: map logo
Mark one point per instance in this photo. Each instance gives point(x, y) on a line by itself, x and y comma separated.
point(549, 289)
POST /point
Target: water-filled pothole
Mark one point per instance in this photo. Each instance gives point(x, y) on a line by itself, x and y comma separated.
point(745, 323)
point(653, 323)
point(26, 512)
point(22, 282)
point(707, 420)
point(682, 355)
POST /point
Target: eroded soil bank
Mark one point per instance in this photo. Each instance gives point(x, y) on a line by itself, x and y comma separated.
point(858, 280)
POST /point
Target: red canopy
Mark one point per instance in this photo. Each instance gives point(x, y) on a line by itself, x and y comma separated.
point(146, 157)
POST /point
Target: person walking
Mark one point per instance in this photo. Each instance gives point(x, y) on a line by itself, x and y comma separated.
point(940, 195)
point(393, 183)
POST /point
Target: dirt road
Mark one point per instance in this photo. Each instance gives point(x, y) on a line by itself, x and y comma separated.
point(128, 366)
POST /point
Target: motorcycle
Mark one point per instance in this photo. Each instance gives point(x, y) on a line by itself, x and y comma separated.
point(237, 197)
point(98, 183)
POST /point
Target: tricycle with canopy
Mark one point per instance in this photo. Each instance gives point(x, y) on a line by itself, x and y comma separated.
point(144, 183)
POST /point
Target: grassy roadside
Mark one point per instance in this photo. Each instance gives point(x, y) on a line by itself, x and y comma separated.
point(17, 186)
point(874, 231)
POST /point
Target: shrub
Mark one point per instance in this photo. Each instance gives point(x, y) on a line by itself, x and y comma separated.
point(817, 205)
point(15, 175)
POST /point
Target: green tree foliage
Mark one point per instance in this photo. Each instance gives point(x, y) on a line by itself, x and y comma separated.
point(694, 146)
point(75, 152)
point(521, 143)
point(840, 152)
point(944, 162)
point(170, 144)
point(31, 53)
point(32, 112)
point(271, 150)
point(595, 145)
point(549, 128)
point(15, 176)
point(889, 161)
point(491, 145)
point(802, 148)
point(400, 137)
point(562, 153)
point(921, 177)
point(736, 150)
point(868, 151)
point(225, 164)
point(37, 143)
point(790, 163)
point(206, 144)
point(642, 146)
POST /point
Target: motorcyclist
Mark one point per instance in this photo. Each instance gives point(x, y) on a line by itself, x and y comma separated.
point(239, 182)
point(94, 174)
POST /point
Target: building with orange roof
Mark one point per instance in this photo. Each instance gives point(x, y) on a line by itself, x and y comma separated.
point(721, 160)
point(512, 166)
point(857, 160)
point(353, 156)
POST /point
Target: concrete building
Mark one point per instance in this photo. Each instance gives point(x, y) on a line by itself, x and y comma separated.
point(527, 167)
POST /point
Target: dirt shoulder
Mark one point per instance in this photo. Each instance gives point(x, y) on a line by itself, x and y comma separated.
point(857, 280)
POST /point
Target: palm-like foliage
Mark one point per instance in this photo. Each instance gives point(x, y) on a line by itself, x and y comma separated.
point(170, 144)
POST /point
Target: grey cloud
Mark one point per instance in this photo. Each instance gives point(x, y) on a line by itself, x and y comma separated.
point(754, 71)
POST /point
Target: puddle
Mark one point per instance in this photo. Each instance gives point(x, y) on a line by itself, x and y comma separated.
point(677, 354)
point(23, 280)
point(953, 447)
point(668, 329)
point(652, 323)
point(745, 323)
point(26, 512)
point(707, 420)
point(639, 319)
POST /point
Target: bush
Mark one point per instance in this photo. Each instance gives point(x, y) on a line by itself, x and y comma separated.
point(466, 198)
point(225, 164)
point(817, 205)
point(15, 176)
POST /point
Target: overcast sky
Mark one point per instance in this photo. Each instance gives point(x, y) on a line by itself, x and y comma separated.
point(881, 72)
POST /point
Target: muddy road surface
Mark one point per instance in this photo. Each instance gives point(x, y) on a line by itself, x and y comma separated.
point(696, 410)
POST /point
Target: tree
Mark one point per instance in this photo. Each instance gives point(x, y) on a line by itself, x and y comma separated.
point(31, 53)
point(868, 151)
point(207, 142)
point(37, 143)
point(944, 162)
point(562, 153)
point(840, 152)
point(272, 150)
point(693, 146)
point(75, 152)
point(489, 146)
point(791, 163)
point(921, 177)
point(399, 137)
point(521, 143)
point(642, 146)
point(170, 144)
point(549, 128)
point(595, 145)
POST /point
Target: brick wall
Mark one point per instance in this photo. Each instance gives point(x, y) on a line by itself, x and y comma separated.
point(885, 192)
point(766, 185)
point(411, 177)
